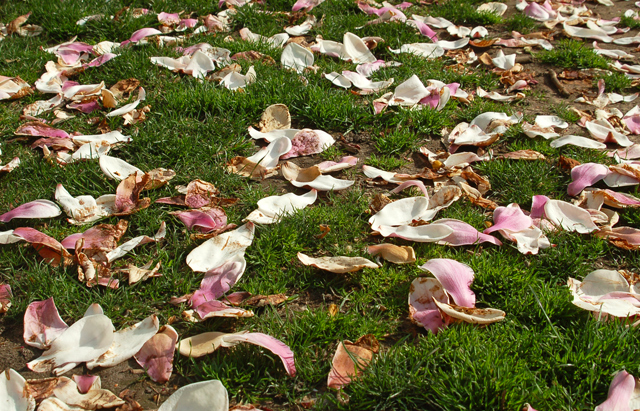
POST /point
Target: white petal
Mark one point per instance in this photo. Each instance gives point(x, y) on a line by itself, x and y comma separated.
point(578, 141)
point(296, 57)
point(569, 216)
point(220, 249)
point(269, 156)
point(400, 212)
point(199, 396)
point(12, 392)
point(355, 50)
point(126, 343)
point(85, 340)
point(325, 183)
point(338, 80)
point(116, 168)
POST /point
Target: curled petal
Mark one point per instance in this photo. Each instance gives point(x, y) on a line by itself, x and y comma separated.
point(455, 278)
point(33, 209)
point(156, 355)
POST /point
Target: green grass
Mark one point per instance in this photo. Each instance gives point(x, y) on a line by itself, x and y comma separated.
point(629, 22)
point(520, 23)
point(614, 82)
point(572, 54)
point(546, 352)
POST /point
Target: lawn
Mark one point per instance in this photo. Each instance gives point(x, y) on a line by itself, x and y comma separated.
point(546, 352)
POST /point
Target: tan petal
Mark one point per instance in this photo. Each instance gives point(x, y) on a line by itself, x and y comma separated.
point(471, 315)
point(339, 264)
point(275, 117)
point(393, 253)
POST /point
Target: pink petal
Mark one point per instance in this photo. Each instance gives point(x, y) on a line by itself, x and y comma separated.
point(422, 307)
point(621, 198)
point(536, 11)
point(97, 62)
point(348, 160)
point(86, 108)
point(464, 234)
point(237, 297)
point(203, 221)
point(455, 277)
point(209, 309)
point(188, 23)
point(425, 30)
point(431, 100)
point(410, 183)
point(537, 206)
point(620, 392)
point(633, 123)
point(628, 234)
point(5, 297)
point(84, 382)
point(509, 218)
point(42, 324)
point(142, 33)
point(217, 282)
point(453, 87)
point(270, 343)
point(404, 5)
point(156, 355)
point(33, 209)
point(169, 18)
point(38, 129)
point(585, 175)
point(305, 4)
point(48, 247)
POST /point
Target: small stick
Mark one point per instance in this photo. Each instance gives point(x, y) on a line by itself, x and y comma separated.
point(554, 79)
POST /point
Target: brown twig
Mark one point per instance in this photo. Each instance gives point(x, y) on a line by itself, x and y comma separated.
point(554, 79)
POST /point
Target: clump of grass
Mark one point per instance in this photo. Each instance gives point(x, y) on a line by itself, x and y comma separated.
point(629, 22)
point(520, 23)
point(614, 82)
point(331, 153)
point(572, 54)
point(396, 141)
point(562, 111)
point(464, 12)
point(385, 162)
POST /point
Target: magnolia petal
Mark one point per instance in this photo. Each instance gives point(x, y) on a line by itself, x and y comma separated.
point(5, 297)
point(422, 308)
point(48, 247)
point(585, 175)
point(325, 183)
point(13, 395)
point(266, 341)
point(422, 234)
point(464, 234)
point(393, 253)
point(472, 315)
point(509, 218)
point(400, 212)
point(218, 282)
point(343, 366)
point(426, 50)
point(338, 80)
point(86, 383)
point(68, 392)
point(455, 278)
point(296, 57)
point(578, 141)
point(124, 248)
point(116, 168)
point(355, 50)
point(590, 33)
point(275, 117)
point(271, 209)
point(388, 176)
point(42, 324)
point(307, 142)
point(338, 265)
point(268, 157)
point(205, 220)
point(620, 393)
point(33, 209)
point(569, 217)
point(364, 83)
point(409, 93)
point(156, 355)
point(606, 133)
point(87, 339)
point(215, 309)
point(200, 396)
point(126, 343)
point(84, 209)
point(218, 250)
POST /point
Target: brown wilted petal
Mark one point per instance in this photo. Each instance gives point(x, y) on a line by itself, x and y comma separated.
point(262, 300)
point(128, 194)
point(14, 25)
point(159, 177)
point(343, 366)
point(123, 87)
point(523, 155)
point(200, 194)
point(471, 315)
point(246, 168)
